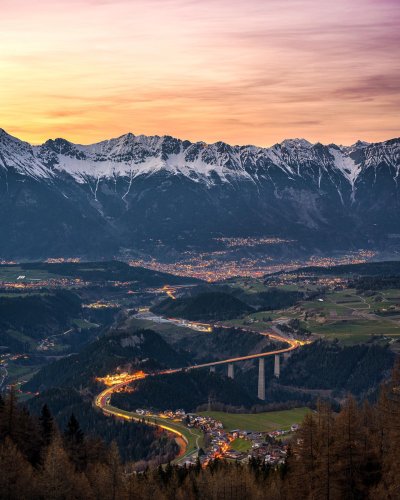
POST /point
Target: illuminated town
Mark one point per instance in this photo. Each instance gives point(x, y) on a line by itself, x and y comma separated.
point(216, 266)
point(251, 242)
point(120, 378)
point(61, 260)
point(271, 447)
point(218, 441)
point(208, 266)
point(100, 305)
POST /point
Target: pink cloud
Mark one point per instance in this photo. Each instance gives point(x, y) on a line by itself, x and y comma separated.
point(253, 71)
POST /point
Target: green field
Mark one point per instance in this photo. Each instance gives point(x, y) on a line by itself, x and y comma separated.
point(346, 315)
point(355, 330)
point(17, 335)
point(240, 444)
point(248, 285)
point(10, 274)
point(261, 422)
point(84, 323)
point(16, 372)
point(259, 324)
point(351, 318)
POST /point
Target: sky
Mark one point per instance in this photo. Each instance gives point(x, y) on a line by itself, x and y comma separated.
point(240, 71)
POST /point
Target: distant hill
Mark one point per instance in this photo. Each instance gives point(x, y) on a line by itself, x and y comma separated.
point(389, 268)
point(31, 317)
point(223, 343)
point(275, 298)
point(184, 390)
point(325, 365)
point(109, 271)
point(272, 298)
point(209, 306)
point(140, 350)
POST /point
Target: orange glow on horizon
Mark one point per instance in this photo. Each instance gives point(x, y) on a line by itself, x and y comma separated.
point(252, 72)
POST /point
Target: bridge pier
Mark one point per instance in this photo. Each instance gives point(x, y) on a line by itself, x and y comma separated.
point(277, 366)
point(261, 379)
point(286, 355)
point(230, 370)
point(212, 369)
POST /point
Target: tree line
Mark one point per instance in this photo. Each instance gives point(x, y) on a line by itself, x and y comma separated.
point(356, 369)
point(351, 454)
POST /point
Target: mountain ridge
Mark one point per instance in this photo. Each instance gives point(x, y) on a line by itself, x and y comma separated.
point(131, 151)
point(159, 192)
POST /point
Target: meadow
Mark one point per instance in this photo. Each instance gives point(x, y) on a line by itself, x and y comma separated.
point(260, 422)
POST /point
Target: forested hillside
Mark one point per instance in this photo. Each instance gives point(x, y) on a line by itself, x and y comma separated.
point(223, 343)
point(354, 369)
point(352, 454)
point(364, 269)
point(275, 298)
point(209, 306)
point(135, 441)
point(184, 390)
point(24, 318)
point(143, 349)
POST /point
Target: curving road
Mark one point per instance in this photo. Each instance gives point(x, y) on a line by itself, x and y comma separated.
point(293, 344)
point(102, 401)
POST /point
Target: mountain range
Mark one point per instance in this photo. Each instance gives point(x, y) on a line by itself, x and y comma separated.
point(150, 193)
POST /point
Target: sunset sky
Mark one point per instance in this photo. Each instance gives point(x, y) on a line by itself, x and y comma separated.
point(245, 72)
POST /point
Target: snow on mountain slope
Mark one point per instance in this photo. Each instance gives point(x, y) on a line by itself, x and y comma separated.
point(343, 162)
point(20, 156)
point(131, 156)
point(147, 193)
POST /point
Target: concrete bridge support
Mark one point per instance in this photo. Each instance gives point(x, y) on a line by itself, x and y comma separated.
point(230, 370)
point(212, 369)
point(286, 356)
point(261, 379)
point(277, 366)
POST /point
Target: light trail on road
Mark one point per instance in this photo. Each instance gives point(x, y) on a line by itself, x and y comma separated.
point(102, 401)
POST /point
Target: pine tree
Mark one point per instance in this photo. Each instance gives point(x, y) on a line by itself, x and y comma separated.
point(27, 435)
point(75, 444)
point(302, 461)
point(372, 467)
point(115, 471)
point(16, 474)
point(349, 460)
point(8, 416)
point(389, 417)
point(324, 466)
point(73, 432)
point(17, 424)
point(58, 479)
point(47, 426)
point(107, 480)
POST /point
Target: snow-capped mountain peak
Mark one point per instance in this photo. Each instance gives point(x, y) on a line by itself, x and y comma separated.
point(137, 191)
point(296, 144)
point(129, 156)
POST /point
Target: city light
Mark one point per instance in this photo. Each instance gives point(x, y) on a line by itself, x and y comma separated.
point(120, 378)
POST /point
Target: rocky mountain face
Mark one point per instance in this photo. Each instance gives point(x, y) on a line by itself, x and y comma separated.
point(138, 192)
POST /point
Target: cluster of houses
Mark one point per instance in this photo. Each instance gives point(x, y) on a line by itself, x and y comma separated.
point(206, 424)
point(270, 447)
point(220, 443)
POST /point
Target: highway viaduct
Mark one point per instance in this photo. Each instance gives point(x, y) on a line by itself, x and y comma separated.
point(293, 344)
